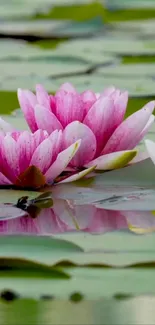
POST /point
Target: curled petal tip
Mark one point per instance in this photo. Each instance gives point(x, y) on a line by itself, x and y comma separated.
point(19, 92)
point(150, 106)
point(38, 85)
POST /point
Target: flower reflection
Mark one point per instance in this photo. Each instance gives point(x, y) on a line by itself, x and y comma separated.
point(65, 217)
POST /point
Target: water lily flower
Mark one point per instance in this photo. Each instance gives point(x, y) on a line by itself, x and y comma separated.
point(33, 159)
point(107, 140)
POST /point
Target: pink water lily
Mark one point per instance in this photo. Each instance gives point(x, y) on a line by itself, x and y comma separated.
point(33, 159)
point(107, 140)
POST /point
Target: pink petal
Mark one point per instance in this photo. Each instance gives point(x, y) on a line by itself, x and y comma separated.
point(97, 95)
point(86, 152)
point(46, 120)
point(123, 136)
point(52, 103)
point(69, 107)
point(62, 161)
point(4, 180)
point(39, 136)
point(68, 87)
point(120, 103)
point(113, 160)
point(115, 94)
point(42, 156)
point(10, 157)
point(150, 146)
point(27, 101)
point(56, 140)
point(15, 134)
point(140, 136)
point(88, 98)
point(100, 120)
point(109, 91)
point(42, 96)
point(25, 147)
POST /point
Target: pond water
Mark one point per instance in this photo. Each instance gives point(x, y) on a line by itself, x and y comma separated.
point(93, 238)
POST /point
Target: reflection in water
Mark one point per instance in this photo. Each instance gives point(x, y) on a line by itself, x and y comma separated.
point(64, 216)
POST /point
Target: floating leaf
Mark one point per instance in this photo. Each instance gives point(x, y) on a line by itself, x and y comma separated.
point(37, 249)
point(140, 27)
point(91, 283)
point(47, 28)
point(112, 46)
point(136, 87)
point(130, 71)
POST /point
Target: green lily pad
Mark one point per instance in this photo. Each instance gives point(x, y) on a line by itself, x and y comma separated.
point(137, 87)
point(32, 27)
point(16, 50)
point(15, 9)
point(140, 27)
point(44, 250)
point(41, 69)
point(70, 9)
point(91, 283)
point(129, 71)
point(113, 46)
point(28, 82)
point(121, 4)
point(115, 249)
point(50, 28)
